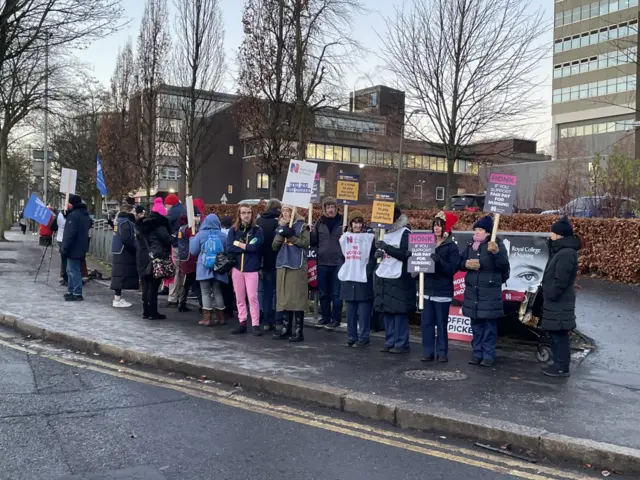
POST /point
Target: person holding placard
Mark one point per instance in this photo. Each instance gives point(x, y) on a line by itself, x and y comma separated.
point(356, 275)
point(487, 267)
point(326, 237)
point(244, 242)
point(395, 289)
point(438, 290)
point(292, 286)
point(175, 209)
point(75, 243)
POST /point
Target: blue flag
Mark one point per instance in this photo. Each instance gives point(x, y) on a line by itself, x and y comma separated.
point(37, 210)
point(100, 183)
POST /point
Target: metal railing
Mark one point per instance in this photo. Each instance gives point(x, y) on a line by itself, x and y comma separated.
point(101, 238)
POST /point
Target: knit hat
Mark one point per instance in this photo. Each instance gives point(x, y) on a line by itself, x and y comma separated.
point(353, 214)
point(158, 207)
point(486, 223)
point(171, 200)
point(199, 204)
point(140, 209)
point(74, 200)
point(563, 227)
point(273, 203)
point(446, 220)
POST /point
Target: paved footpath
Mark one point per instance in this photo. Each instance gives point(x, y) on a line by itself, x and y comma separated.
point(598, 403)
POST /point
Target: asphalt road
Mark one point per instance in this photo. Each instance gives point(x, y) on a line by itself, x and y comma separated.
point(68, 416)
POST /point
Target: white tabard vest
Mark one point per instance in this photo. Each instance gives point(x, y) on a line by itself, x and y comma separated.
point(356, 248)
point(390, 267)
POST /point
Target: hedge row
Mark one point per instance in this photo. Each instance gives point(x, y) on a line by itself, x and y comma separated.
point(611, 251)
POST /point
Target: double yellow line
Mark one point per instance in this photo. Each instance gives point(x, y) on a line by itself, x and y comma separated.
point(393, 438)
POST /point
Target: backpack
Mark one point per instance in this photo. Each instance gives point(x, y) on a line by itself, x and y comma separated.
point(210, 250)
point(183, 244)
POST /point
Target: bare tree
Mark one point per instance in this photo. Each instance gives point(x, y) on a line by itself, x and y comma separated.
point(27, 28)
point(152, 55)
point(468, 65)
point(198, 65)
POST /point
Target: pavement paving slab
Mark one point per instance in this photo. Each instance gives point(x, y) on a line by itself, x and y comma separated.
point(599, 402)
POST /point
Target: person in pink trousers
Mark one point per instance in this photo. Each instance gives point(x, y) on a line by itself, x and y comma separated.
point(244, 242)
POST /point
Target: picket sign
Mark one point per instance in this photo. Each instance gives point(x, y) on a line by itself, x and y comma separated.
point(66, 197)
point(496, 222)
point(191, 214)
point(421, 287)
point(345, 217)
point(381, 238)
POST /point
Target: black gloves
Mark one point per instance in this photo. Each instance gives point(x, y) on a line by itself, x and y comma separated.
point(436, 258)
point(379, 254)
point(380, 245)
point(285, 231)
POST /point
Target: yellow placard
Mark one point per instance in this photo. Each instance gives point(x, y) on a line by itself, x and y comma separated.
point(347, 191)
point(382, 213)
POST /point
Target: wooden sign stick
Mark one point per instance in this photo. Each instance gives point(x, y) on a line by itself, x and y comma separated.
point(496, 222)
point(293, 215)
point(310, 214)
point(381, 238)
point(421, 288)
point(345, 217)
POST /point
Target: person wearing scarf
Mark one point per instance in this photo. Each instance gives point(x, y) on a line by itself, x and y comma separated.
point(438, 290)
point(292, 284)
point(395, 289)
point(487, 267)
point(356, 275)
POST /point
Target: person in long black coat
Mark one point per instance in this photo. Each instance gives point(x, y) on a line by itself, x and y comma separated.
point(394, 288)
point(124, 275)
point(153, 238)
point(487, 267)
point(559, 296)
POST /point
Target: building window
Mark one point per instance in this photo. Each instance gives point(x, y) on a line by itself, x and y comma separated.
point(323, 185)
point(169, 173)
point(311, 150)
point(462, 191)
point(248, 183)
point(595, 89)
point(371, 189)
point(439, 194)
point(588, 64)
point(592, 37)
point(373, 99)
point(262, 181)
point(417, 192)
point(596, 9)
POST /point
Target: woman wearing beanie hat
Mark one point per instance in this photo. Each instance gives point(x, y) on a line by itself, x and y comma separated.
point(559, 296)
point(158, 207)
point(438, 290)
point(395, 289)
point(356, 275)
point(487, 267)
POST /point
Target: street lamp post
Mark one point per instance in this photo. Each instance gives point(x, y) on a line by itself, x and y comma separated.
point(401, 147)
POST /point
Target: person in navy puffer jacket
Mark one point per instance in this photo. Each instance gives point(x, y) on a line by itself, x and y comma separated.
point(438, 290)
point(244, 241)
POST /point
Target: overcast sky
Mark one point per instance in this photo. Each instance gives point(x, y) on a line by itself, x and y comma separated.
point(101, 56)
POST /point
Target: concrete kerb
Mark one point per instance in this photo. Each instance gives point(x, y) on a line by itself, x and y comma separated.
point(426, 418)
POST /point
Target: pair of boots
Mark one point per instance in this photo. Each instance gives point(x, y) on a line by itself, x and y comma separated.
point(292, 327)
point(207, 318)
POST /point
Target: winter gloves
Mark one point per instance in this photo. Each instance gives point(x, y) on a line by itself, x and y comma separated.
point(285, 231)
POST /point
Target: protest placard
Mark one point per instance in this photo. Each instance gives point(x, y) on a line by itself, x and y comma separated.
point(421, 246)
point(501, 191)
point(299, 184)
point(68, 178)
point(382, 210)
point(37, 210)
point(347, 189)
point(315, 192)
point(191, 217)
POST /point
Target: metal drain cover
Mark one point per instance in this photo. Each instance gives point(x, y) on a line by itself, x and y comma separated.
point(435, 375)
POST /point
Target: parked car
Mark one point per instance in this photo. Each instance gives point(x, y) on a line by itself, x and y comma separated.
point(468, 202)
point(605, 206)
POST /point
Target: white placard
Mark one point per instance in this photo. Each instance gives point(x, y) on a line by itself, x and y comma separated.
point(68, 178)
point(299, 185)
point(191, 217)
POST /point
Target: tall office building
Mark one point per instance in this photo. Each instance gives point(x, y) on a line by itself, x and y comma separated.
point(594, 77)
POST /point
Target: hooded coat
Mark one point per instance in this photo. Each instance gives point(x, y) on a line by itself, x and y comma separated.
point(268, 221)
point(211, 223)
point(124, 275)
point(75, 239)
point(292, 285)
point(483, 291)
point(558, 292)
point(396, 295)
point(153, 237)
point(326, 237)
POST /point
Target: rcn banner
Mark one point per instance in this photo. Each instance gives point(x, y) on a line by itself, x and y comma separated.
point(528, 255)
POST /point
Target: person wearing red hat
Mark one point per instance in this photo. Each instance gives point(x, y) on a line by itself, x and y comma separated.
point(175, 209)
point(438, 290)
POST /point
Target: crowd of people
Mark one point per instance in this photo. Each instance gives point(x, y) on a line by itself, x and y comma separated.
point(263, 262)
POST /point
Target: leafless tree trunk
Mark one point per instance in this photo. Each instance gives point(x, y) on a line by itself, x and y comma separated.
point(469, 66)
point(198, 64)
point(152, 53)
